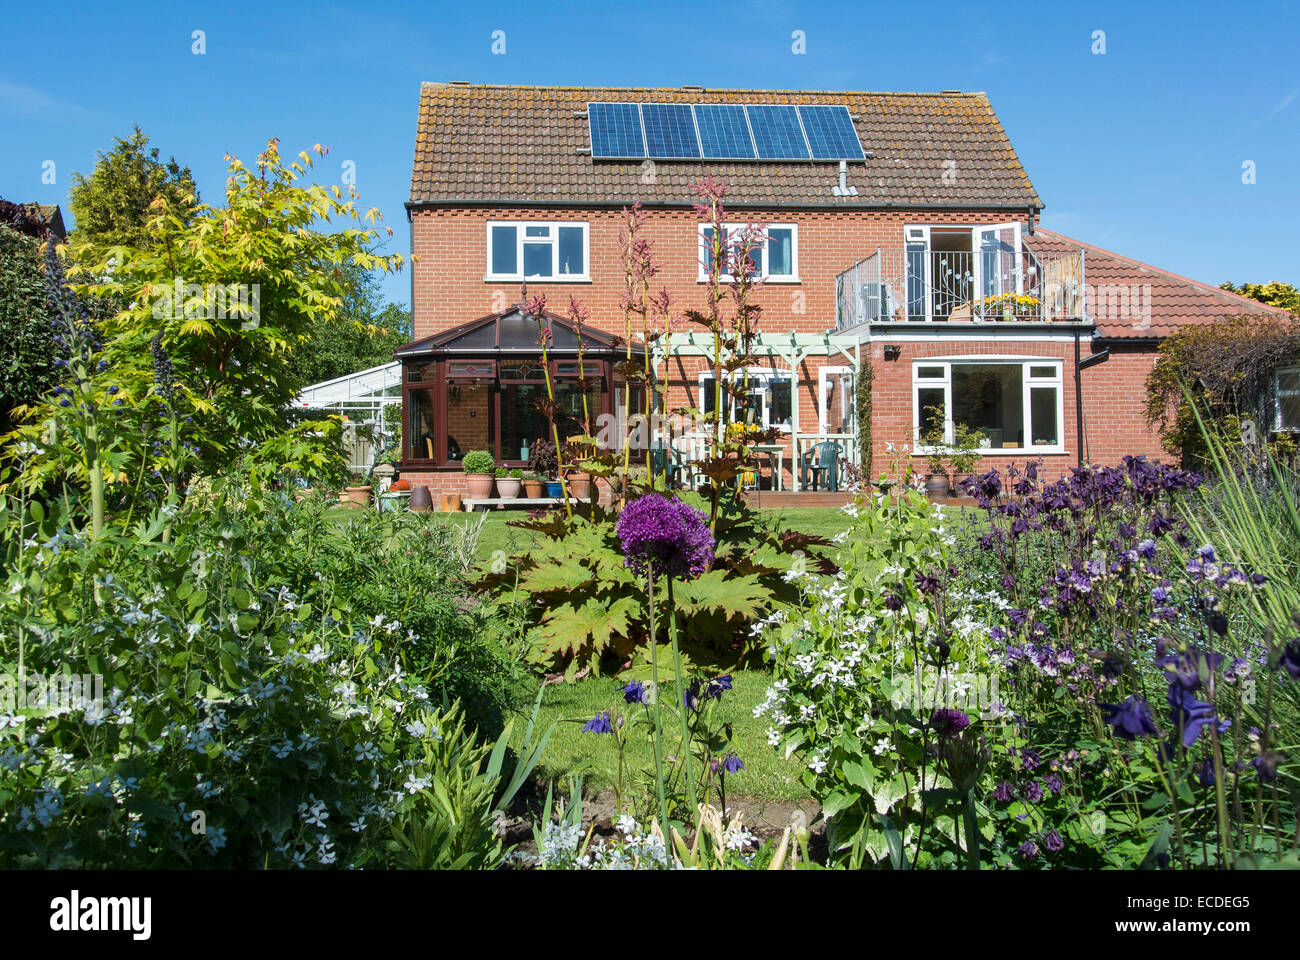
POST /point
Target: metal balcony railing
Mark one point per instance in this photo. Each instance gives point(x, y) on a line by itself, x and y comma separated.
point(920, 284)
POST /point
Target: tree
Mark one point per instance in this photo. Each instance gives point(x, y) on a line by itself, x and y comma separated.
point(364, 334)
point(26, 340)
point(1276, 294)
point(231, 295)
point(112, 205)
point(1226, 368)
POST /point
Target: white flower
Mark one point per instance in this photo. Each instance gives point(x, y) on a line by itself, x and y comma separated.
point(817, 765)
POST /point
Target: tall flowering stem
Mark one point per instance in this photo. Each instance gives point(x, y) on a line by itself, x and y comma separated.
point(663, 537)
point(79, 342)
point(536, 307)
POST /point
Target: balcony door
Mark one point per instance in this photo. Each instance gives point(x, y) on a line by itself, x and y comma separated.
point(998, 267)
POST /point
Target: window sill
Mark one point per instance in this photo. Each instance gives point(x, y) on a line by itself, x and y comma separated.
point(567, 278)
point(765, 280)
point(997, 451)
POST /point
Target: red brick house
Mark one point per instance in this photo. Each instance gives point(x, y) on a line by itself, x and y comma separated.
point(901, 242)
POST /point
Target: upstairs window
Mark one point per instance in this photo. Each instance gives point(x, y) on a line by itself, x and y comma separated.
point(530, 250)
point(775, 257)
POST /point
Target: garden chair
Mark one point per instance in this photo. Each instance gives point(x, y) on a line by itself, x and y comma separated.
point(822, 459)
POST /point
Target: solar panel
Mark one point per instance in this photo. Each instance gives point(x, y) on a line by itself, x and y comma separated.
point(776, 132)
point(616, 130)
point(724, 131)
point(831, 134)
point(670, 131)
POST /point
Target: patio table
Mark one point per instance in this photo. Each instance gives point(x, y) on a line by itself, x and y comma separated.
point(776, 457)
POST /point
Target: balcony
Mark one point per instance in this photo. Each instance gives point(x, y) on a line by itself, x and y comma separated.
point(934, 280)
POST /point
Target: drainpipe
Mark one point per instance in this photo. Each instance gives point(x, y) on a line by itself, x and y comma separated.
point(1078, 398)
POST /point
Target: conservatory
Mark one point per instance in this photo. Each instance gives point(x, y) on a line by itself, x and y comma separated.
point(478, 386)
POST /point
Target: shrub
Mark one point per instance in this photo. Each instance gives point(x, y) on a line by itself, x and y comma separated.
point(478, 461)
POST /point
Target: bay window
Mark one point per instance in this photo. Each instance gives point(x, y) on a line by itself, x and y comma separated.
point(1017, 406)
point(528, 250)
point(775, 258)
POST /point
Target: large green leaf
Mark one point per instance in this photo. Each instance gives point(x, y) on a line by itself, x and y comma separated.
point(716, 592)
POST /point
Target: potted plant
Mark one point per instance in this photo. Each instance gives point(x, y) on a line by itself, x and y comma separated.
point(937, 450)
point(965, 454)
point(358, 492)
point(545, 461)
point(508, 482)
point(534, 485)
point(479, 472)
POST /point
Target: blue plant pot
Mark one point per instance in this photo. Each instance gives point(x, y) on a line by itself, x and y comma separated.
point(553, 489)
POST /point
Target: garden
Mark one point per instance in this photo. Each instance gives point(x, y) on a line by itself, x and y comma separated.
point(205, 665)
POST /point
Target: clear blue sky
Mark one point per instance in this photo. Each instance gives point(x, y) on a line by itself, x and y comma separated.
point(1139, 150)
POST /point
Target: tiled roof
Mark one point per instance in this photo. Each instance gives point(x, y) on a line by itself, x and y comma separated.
point(482, 143)
point(1175, 301)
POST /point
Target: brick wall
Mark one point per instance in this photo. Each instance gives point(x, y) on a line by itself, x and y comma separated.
point(1114, 393)
point(451, 247)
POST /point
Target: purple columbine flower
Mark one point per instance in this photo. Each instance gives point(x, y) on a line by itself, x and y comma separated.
point(1029, 849)
point(947, 722)
point(634, 692)
point(599, 724)
point(665, 537)
point(1052, 841)
point(1030, 760)
point(893, 602)
point(1004, 792)
point(731, 764)
point(1033, 792)
point(1188, 713)
point(1053, 782)
point(1131, 719)
point(1290, 659)
point(717, 686)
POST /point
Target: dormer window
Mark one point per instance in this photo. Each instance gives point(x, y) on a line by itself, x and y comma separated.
point(533, 250)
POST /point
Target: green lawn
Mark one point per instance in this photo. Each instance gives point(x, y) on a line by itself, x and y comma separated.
point(767, 775)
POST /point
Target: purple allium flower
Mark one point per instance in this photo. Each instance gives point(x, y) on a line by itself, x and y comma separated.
point(1029, 849)
point(732, 764)
point(599, 724)
point(1033, 792)
point(1004, 792)
point(1052, 841)
point(1131, 719)
point(947, 722)
point(634, 692)
point(665, 536)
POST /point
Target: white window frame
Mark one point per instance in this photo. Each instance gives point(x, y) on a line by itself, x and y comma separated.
point(1026, 383)
point(917, 233)
point(553, 239)
point(759, 381)
point(703, 252)
point(1278, 394)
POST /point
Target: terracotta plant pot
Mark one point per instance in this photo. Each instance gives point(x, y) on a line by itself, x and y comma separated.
point(359, 495)
point(579, 485)
point(480, 485)
point(533, 489)
point(421, 502)
point(936, 485)
point(508, 487)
